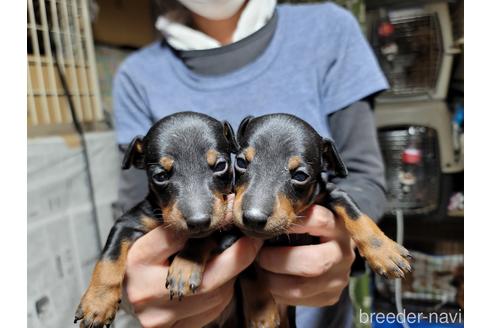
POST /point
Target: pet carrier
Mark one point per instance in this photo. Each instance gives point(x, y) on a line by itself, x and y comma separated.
point(416, 142)
point(413, 44)
point(59, 30)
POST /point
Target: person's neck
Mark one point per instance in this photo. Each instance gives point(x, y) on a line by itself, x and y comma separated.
point(221, 30)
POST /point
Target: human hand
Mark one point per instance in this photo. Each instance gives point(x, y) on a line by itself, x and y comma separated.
point(311, 275)
point(146, 272)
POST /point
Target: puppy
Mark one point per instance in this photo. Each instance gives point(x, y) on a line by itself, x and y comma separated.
point(187, 160)
point(284, 166)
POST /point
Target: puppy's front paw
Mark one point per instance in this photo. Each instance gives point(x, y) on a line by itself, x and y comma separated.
point(263, 315)
point(386, 257)
point(270, 322)
point(98, 306)
point(184, 277)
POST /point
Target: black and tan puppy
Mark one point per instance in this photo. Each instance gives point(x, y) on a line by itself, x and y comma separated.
point(282, 168)
point(187, 160)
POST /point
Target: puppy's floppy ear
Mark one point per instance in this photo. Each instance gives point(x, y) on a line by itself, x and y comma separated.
point(332, 159)
point(230, 137)
point(242, 127)
point(134, 154)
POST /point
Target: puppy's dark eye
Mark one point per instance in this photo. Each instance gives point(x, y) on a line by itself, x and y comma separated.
point(300, 176)
point(220, 167)
point(160, 178)
point(241, 164)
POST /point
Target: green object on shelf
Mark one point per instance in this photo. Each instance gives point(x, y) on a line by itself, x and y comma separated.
point(360, 294)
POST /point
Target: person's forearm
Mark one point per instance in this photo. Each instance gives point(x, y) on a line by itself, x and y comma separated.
point(353, 130)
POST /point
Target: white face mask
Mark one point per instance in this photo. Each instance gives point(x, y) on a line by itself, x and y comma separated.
point(213, 9)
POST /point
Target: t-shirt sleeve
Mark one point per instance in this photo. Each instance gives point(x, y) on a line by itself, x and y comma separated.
point(354, 73)
point(130, 107)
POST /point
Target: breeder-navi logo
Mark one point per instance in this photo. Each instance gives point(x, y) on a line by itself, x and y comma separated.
point(411, 317)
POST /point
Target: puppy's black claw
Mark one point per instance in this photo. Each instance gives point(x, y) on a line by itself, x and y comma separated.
point(383, 274)
point(193, 288)
point(405, 267)
point(180, 296)
point(79, 314)
point(171, 295)
point(167, 283)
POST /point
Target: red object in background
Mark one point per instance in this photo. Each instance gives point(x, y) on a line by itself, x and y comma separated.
point(411, 156)
point(386, 29)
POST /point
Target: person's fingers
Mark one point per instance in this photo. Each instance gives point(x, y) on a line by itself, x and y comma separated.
point(317, 221)
point(324, 299)
point(155, 247)
point(205, 318)
point(230, 263)
point(298, 288)
point(145, 283)
point(164, 311)
point(306, 261)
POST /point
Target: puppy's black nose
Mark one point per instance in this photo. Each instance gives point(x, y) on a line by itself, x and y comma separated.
point(254, 218)
point(198, 222)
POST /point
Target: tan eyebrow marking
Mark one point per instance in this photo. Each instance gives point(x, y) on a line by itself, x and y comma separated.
point(167, 162)
point(249, 153)
point(294, 162)
point(212, 156)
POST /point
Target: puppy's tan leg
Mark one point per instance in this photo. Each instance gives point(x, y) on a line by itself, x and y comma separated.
point(186, 270)
point(259, 307)
point(384, 256)
point(101, 300)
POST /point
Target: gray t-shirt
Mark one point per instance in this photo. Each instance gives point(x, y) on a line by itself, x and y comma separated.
point(320, 76)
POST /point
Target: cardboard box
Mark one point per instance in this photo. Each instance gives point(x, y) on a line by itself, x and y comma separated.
point(126, 23)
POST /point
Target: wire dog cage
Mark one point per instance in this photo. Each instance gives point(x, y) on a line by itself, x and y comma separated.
point(60, 30)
